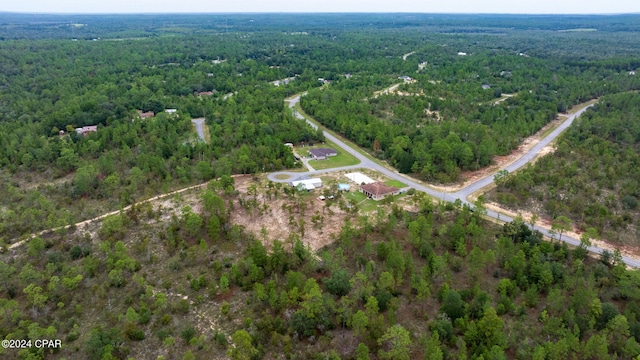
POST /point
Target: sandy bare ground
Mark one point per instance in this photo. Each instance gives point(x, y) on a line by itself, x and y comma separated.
point(405, 56)
point(280, 224)
point(503, 98)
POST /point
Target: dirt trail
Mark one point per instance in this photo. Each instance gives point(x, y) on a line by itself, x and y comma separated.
point(84, 223)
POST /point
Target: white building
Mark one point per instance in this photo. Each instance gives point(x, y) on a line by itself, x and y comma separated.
point(308, 184)
point(359, 178)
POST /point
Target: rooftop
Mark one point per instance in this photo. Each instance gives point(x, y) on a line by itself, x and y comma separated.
point(378, 189)
point(322, 152)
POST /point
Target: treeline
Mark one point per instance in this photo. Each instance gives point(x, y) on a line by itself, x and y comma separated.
point(438, 283)
point(593, 177)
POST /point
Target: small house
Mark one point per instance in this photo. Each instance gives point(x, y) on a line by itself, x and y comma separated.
point(144, 115)
point(405, 78)
point(86, 129)
point(462, 53)
point(322, 153)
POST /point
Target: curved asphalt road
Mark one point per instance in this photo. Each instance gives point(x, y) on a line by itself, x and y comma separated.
point(459, 195)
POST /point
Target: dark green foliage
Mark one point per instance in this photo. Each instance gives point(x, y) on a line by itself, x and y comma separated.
point(609, 311)
point(452, 305)
point(188, 333)
point(102, 342)
point(338, 283)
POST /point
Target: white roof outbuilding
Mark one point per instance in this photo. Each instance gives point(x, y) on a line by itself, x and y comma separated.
point(308, 184)
point(359, 178)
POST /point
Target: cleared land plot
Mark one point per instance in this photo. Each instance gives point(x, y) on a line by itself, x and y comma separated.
point(342, 159)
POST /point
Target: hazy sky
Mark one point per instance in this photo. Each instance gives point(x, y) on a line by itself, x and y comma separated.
point(424, 6)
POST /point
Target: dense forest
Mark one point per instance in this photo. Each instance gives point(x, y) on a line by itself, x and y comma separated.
point(452, 116)
point(593, 178)
point(435, 283)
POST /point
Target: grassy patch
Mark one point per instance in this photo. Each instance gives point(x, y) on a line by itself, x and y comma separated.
point(395, 184)
point(342, 159)
point(207, 133)
point(355, 195)
point(282, 176)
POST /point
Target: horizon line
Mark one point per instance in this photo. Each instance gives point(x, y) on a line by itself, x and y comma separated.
point(314, 12)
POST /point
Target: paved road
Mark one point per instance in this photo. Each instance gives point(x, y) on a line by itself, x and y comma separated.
point(199, 122)
point(459, 195)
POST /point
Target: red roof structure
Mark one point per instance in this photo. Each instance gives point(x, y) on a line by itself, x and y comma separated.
point(378, 190)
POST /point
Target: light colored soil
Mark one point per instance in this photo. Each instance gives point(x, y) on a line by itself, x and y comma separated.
point(276, 219)
point(405, 56)
point(503, 98)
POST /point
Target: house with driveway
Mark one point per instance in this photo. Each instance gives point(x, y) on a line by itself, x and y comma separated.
point(378, 190)
point(322, 153)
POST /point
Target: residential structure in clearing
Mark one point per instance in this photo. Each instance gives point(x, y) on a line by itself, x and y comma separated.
point(86, 129)
point(359, 178)
point(378, 190)
point(144, 115)
point(307, 184)
point(322, 153)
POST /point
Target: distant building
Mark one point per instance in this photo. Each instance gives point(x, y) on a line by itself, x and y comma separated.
point(405, 78)
point(205, 93)
point(170, 111)
point(486, 87)
point(632, 72)
point(308, 184)
point(144, 115)
point(378, 190)
point(322, 153)
point(462, 53)
point(86, 129)
point(348, 76)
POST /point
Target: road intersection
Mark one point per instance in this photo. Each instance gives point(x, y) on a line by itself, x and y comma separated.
point(462, 194)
